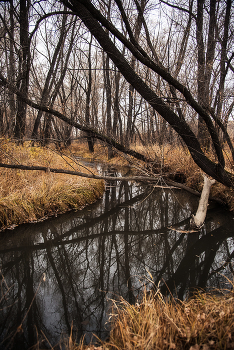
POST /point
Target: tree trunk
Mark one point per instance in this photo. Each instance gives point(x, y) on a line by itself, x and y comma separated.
point(24, 67)
point(180, 126)
point(223, 71)
point(46, 90)
point(205, 65)
point(130, 123)
point(88, 95)
point(11, 72)
point(198, 220)
point(202, 129)
point(117, 116)
point(1, 123)
point(107, 87)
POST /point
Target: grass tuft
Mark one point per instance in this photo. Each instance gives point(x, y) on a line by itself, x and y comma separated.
point(204, 322)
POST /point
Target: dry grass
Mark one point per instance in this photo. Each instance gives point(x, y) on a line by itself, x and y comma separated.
point(175, 159)
point(31, 195)
point(204, 322)
point(80, 148)
point(179, 161)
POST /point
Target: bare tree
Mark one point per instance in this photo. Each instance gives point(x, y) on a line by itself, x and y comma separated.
point(168, 92)
point(95, 22)
point(88, 97)
point(24, 68)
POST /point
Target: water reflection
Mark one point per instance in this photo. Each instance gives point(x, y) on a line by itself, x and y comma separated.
point(104, 251)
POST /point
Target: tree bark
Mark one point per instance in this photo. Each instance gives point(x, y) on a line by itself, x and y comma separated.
point(198, 220)
point(88, 95)
point(24, 67)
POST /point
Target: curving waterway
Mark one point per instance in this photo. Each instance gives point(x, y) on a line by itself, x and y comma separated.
point(63, 272)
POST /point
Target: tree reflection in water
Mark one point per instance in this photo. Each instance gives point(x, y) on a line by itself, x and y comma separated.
point(102, 252)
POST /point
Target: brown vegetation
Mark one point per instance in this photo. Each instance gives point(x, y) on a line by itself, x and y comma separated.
point(203, 322)
point(27, 196)
point(169, 161)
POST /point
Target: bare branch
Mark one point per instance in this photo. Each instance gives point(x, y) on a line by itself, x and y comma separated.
point(78, 173)
point(179, 8)
point(95, 133)
point(142, 56)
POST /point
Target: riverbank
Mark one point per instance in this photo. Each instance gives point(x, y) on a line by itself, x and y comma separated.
point(29, 196)
point(172, 162)
point(153, 318)
point(203, 322)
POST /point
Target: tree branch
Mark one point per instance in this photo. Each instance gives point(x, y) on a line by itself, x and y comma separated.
point(78, 173)
point(180, 126)
point(79, 7)
point(95, 133)
point(179, 8)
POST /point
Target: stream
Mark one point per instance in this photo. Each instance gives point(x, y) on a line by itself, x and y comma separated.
point(65, 272)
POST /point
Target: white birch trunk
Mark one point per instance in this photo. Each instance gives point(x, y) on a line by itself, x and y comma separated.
point(198, 220)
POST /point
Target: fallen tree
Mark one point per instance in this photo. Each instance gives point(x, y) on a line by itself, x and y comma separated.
point(78, 173)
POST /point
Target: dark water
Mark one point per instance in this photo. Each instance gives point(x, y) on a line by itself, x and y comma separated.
point(107, 250)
